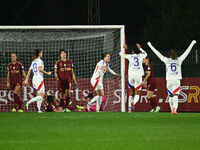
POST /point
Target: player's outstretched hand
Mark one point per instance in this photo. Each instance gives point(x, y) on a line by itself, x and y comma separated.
point(8, 85)
point(125, 46)
point(118, 76)
point(194, 41)
point(76, 83)
point(26, 82)
point(138, 46)
point(49, 73)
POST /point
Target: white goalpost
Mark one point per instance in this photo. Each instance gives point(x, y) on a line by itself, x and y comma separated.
point(85, 44)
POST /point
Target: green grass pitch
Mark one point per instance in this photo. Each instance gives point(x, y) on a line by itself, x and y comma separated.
point(95, 131)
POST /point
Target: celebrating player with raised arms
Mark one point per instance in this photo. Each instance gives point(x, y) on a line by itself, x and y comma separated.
point(135, 73)
point(173, 73)
point(97, 78)
point(151, 84)
point(14, 80)
point(63, 71)
point(37, 66)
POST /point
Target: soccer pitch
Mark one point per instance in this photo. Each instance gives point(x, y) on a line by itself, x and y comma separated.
point(95, 131)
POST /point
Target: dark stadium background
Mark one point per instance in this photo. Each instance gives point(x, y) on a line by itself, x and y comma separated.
point(166, 23)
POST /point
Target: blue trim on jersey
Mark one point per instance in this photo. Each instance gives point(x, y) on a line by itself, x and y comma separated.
point(170, 93)
point(130, 86)
point(35, 89)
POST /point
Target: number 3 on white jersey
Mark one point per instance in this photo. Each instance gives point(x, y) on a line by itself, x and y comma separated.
point(136, 62)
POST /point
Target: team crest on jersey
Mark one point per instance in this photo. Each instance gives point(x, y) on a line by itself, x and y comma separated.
point(149, 68)
point(65, 65)
point(14, 67)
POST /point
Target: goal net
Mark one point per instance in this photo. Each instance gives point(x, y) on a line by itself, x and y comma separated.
point(84, 46)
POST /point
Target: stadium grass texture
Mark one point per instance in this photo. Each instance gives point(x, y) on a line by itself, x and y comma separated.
point(95, 131)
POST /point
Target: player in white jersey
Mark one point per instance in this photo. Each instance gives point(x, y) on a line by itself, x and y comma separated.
point(97, 78)
point(173, 74)
point(37, 66)
point(135, 73)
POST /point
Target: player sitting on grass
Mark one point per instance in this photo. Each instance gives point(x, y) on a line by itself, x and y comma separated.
point(53, 105)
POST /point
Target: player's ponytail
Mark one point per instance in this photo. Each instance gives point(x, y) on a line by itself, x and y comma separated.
point(104, 55)
point(36, 53)
point(172, 54)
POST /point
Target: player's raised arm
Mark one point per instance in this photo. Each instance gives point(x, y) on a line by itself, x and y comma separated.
point(140, 48)
point(74, 77)
point(184, 55)
point(124, 55)
point(156, 51)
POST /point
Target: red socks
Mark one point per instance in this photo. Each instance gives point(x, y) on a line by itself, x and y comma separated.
point(17, 101)
point(152, 103)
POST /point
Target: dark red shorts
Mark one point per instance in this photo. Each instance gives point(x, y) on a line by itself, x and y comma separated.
point(64, 85)
point(13, 85)
point(151, 86)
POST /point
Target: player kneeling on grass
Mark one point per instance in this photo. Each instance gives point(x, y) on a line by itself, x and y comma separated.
point(173, 73)
point(91, 103)
point(97, 78)
point(37, 66)
point(135, 73)
point(14, 80)
point(151, 84)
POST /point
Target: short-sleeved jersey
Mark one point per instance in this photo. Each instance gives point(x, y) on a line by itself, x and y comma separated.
point(64, 69)
point(34, 67)
point(15, 71)
point(135, 63)
point(151, 78)
point(100, 70)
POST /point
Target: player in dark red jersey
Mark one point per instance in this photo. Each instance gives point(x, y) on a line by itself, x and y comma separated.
point(53, 105)
point(63, 73)
point(151, 84)
point(14, 80)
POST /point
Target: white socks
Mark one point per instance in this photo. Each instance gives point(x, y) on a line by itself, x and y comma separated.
point(37, 99)
point(171, 103)
point(39, 103)
point(130, 100)
point(99, 100)
point(136, 99)
point(93, 100)
point(175, 102)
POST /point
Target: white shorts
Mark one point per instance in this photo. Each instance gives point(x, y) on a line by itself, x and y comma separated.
point(173, 87)
point(38, 84)
point(135, 82)
point(97, 84)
